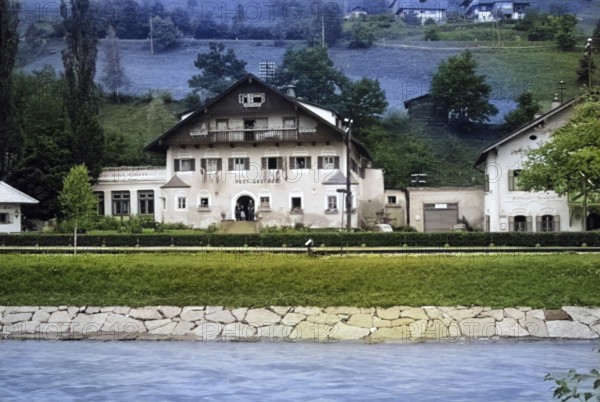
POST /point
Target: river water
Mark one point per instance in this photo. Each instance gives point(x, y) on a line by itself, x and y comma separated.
point(192, 371)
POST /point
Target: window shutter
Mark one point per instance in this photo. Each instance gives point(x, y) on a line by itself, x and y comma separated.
point(292, 164)
point(320, 162)
point(337, 162)
point(246, 163)
point(528, 227)
point(486, 184)
point(219, 164)
point(230, 164)
point(511, 180)
point(193, 165)
point(308, 161)
point(538, 223)
point(203, 164)
point(557, 223)
point(264, 163)
point(177, 165)
point(511, 223)
point(279, 163)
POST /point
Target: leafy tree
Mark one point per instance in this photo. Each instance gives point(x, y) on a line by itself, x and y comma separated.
point(325, 23)
point(114, 75)
point(46, 155)
point(570, 158)
point(364, 101)
point(9, 41)
point(76, 198)
point(432, 33)
point(457, 89)
point(79, 60)
point(165, 34)
point(219, 69)
point(565, 31)
point(362, 35)
point(525, 112)
point(312, 71)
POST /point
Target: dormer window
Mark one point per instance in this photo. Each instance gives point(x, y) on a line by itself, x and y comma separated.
point(252, 100)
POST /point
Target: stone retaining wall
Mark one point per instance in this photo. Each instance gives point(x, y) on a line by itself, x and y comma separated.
point(203, 323)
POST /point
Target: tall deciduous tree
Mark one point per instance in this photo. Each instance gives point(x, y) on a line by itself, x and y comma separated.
point(219, 69)
point(79, 59)
point(9, 40)
point(114, 76)
point(364, 101)
point(76, 198)
point(164, 33)
point(570, 159)
point(312, 72)
point(459, 90)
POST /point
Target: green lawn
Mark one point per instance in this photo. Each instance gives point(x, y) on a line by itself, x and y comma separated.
point(266, 279)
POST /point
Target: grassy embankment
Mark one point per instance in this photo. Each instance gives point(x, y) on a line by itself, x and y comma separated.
point(261, 280)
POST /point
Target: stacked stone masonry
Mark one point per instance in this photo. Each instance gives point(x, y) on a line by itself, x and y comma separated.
point(292, 324)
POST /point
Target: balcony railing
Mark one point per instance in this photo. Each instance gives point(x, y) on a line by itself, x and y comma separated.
point(267, 176)
point(254, 134)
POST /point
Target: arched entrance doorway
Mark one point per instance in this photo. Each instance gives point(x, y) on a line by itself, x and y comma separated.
point(245, 209)
point(593, 221)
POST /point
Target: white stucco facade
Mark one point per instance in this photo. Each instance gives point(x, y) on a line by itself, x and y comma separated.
point(506, 208)
point(282, 161)
point(11, 200)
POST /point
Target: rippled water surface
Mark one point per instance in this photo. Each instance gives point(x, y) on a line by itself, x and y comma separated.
point(191, 371)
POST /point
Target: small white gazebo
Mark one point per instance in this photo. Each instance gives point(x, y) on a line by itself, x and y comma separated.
point(11, 200)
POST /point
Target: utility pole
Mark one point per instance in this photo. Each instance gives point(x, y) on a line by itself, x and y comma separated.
point(561, 89)
point(588, 48)
point(323, 28)
point(151, 36)
point(348, 177)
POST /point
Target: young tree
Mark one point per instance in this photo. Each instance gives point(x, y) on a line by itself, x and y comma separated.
point(526, 109)
point(457, 89)
point(362, 35)
point(364, 101)
point(79, 60)
point(587, 67)
point(571, 159)
point(312, 71)
point(219, 69)
point(76, 198)
point(114, 76)
point(9, 41)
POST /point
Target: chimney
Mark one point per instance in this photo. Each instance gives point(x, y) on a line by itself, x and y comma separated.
point(290, 90)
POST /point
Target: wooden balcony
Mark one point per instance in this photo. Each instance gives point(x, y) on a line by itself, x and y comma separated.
point(255, 135)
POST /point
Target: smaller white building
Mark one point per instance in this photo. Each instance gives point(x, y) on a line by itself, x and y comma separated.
point(11, 200)
point(507, 207)
point(419, 12)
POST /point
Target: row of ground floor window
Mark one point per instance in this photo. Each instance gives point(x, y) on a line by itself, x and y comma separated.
point(121, 202)
point(543, 223)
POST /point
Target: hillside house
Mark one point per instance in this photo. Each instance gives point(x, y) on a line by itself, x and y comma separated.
point(415, 12)
point(11, 200)
point(490, 11)
point(422, 110)
point(506, 207)
point(252, 153)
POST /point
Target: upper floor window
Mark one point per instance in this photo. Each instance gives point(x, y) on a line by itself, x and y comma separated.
point(222, 124)
point(392, 200)
point(513, 180)
point(211, 165)
point(272, 163)
point(329, 162)
point(289, 122)
point(238, 164)
point(185, 165)
point(252, 100)
point(300, 162)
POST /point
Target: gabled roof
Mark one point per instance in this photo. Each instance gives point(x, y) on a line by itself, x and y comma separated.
point(156, 146)
point(176, 182)
point(337, 179)
point(10, 195)
point(523, 129)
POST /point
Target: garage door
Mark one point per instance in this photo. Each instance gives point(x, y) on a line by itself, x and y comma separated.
point(440, 217)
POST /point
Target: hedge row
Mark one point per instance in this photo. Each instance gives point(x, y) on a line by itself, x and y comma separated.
point(331, 239)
